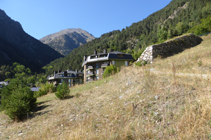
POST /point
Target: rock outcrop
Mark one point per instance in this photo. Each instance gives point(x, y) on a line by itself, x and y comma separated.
point(170, 47)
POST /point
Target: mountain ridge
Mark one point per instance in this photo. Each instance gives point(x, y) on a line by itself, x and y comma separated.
point(66, 40)
point(18, 46)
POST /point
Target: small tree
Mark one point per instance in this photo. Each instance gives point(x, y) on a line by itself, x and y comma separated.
point(17, 100)
point(62, 91)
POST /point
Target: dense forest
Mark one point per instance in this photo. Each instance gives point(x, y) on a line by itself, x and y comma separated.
point(177, 18)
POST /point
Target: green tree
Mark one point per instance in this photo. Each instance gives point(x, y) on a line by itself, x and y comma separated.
point(169, 34)
point(17, 99)
point(62, 91)
point(181, 28)
point(204, 27)
point(162, 33)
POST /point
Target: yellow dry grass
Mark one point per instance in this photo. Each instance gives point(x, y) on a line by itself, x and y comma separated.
point(193, 60)
point(133, 104)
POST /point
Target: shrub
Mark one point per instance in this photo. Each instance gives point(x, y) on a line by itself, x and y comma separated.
point(141, 63)
point(17, 100)
point(62, 91)
point(45, 89)
point(109, 70)
point(42, 91)
point(52, 88)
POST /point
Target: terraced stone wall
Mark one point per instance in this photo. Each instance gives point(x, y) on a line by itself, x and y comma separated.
point(170, 47)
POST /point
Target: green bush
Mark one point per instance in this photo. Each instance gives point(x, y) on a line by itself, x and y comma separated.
point(45, 89)
point(62, 91)
point(141, 63)
point(52, 88)
point(17, 100)
point(203, 27)
point(109, 70)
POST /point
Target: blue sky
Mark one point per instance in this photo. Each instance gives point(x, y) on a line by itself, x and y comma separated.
point(43, 17)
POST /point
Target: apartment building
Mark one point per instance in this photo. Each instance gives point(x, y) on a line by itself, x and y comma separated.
point(70, 77)
point(94, 65)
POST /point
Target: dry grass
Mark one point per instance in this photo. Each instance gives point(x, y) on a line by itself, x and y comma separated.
point(195, 60)
point(133, 104)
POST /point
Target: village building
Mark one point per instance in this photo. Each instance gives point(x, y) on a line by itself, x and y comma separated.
point(3, 83)
point(94, 65)
point(70, 77)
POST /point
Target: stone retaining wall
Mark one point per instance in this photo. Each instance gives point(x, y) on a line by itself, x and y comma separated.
point(170, 47)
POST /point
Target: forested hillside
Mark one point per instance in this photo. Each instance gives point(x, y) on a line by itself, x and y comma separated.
point(176, 18)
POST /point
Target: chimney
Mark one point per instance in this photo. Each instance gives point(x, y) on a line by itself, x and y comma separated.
point(95, 52)
point(104, 51)
point(59, 71)
point(76, 71)
point(84, 57)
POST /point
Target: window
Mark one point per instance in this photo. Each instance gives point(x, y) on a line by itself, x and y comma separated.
point(126, 63)
point(69, 80)
point(113, 62)
point(120, 55)
point(97, 72)
point(97, 77)
point(69, 85)
point(97, 65)
point(61, 80)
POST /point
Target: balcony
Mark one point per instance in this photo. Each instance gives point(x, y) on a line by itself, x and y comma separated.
point(89, 80)
point(89, 68)
point(89, 74)
point(104, 65)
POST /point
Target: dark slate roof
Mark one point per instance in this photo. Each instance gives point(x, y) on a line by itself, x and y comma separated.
point(58, 75)
point(114, 55)
point(110, 55)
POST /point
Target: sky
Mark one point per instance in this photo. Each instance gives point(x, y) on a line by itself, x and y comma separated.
point(40, 18)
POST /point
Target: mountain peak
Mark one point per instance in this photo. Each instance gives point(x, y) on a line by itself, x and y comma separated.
point(68, 39)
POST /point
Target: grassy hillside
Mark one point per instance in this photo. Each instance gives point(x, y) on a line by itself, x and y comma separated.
point(136, 103)
point(178, 17)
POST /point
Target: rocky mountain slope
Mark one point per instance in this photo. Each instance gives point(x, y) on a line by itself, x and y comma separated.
point(67, 40)
point(17, 46)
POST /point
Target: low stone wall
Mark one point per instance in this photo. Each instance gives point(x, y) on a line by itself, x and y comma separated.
point(170, 47)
